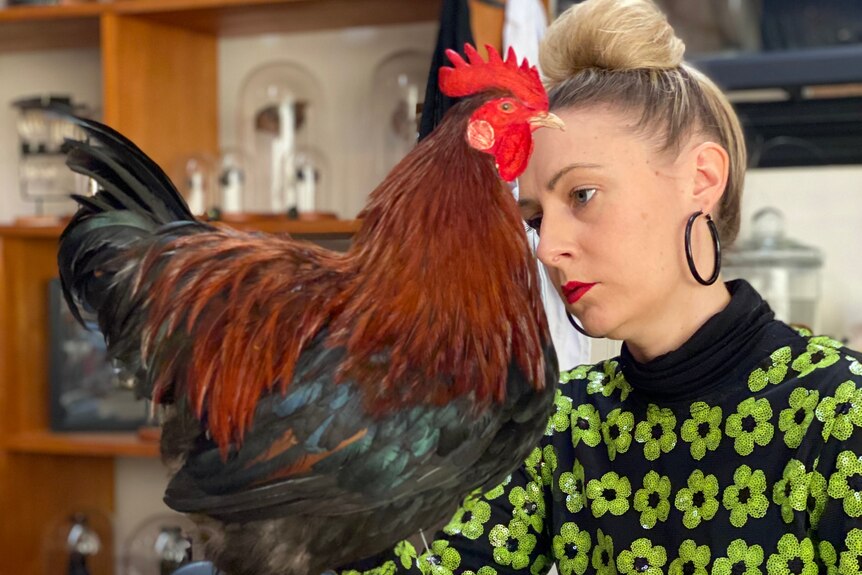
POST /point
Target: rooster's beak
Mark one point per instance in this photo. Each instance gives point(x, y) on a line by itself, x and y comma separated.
point(547, 120)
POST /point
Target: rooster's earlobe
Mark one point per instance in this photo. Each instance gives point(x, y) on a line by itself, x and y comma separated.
point(480, 135)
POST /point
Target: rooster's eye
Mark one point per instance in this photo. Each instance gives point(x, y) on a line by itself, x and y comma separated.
point(506, 107)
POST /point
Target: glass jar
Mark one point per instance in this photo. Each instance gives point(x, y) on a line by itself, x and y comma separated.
point(785, 272)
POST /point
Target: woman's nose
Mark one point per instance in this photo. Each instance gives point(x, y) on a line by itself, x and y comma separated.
point(555, 242)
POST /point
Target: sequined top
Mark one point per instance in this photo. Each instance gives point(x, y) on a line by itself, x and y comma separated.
point(738, 454)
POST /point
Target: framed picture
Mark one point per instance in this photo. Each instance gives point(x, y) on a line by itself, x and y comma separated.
point(85, 392)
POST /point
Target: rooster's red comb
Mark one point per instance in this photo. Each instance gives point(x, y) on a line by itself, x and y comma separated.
point(470, 78)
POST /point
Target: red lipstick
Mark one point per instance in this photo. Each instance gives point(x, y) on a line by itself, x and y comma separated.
point(573, 291)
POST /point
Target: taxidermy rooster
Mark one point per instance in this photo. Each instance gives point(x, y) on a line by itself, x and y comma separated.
point(321, 406)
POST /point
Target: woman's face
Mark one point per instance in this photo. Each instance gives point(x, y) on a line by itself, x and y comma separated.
point(611, 212)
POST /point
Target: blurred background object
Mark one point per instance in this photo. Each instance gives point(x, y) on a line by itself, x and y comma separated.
point(78, 543)
point(161, 545)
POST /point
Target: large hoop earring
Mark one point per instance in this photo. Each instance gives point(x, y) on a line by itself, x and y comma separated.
point(577, 327)
point(716, 249)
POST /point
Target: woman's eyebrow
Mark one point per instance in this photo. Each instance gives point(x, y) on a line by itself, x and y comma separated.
point(556, 178)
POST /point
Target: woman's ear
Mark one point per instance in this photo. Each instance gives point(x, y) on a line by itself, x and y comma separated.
point(711, 165)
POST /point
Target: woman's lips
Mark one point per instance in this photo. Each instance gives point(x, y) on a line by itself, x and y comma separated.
point(573, 291)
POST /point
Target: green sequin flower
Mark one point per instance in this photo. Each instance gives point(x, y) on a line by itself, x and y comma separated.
point(692, 559)
point(846, 482)
point(561, 418)
point(512, 544)
point(855, 365)
point(484, 570)
point(791, 491)
point(829, 557)
point(793, 557)
point(470, 519)
point(617, 431)
point(643, 558)
point(501, 489)
point(851, 560)
point(840, 413)
point(771, 370)
point(572, 484)
point(745, 497)
point(741, 560)
point(652, 499)
point(794, 420)
point(541, 464)
point(657, 432)
point(541, 565)
point(703, 430)
point(608, 380)
point(817, 497)
point(406, 553)
point(603, 555)
point(750, 424)
point(579, 372)
point(586, 425)
point(572, 549)
point(528, 505)
point(819, 353)
point(611, 493)
point(698, 501)
point(440, 560)
point(389, 568)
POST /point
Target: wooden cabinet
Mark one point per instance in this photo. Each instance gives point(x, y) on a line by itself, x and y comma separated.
point(44, 474)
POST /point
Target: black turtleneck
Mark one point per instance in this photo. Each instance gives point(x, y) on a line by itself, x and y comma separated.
point(740, 453)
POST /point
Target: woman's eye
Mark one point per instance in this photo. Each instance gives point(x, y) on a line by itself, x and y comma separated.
point(534, 223)
point(583, 195)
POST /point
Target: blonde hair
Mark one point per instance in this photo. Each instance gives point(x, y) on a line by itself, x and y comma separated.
point(624, 53)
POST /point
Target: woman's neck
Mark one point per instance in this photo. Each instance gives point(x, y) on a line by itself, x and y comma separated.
point(671, 327)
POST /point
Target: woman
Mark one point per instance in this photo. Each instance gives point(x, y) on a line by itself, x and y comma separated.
point(721, 440)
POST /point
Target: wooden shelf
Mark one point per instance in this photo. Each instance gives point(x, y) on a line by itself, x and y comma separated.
point(82, 444)
point(77, 25)
point(299, 228)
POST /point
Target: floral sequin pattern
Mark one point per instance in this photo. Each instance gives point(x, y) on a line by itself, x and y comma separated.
point(819, 353)
point(698, 501)
point(586, 426)
point(541, 464)
point(617, 431)
point(609, 494)
point(562, 416)
point(750, 425)
point(603, 555)
point(692, 559)
point(528, 505)
point(572, 549)
point(741, 559)
point(703, 430)
point(643, 558)
point(572, 484)
point(772, 371)
point(406, 553)
point(842, 412)
point(470, 519)
point(794, 420)
point(829, 557)
point(745, 498)
point(791, 491)
point(512, 544)
point(652, 499)
point(656, 433)
point(851, 560)
point(845, 483)
point(578, 373)
point(609, 380)
point(441, 559)
point(793, 557)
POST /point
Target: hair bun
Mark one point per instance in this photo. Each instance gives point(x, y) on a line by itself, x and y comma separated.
point(610, 35)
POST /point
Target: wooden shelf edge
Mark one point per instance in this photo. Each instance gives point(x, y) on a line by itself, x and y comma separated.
point(340, 228)
point(109, 444)
point(52, 12)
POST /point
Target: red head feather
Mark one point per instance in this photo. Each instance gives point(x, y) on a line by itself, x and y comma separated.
point(470, 78)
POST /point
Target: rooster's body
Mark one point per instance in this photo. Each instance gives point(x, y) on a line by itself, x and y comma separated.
point(323, 405)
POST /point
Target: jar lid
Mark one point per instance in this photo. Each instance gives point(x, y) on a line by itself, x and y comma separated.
point(769, 247)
